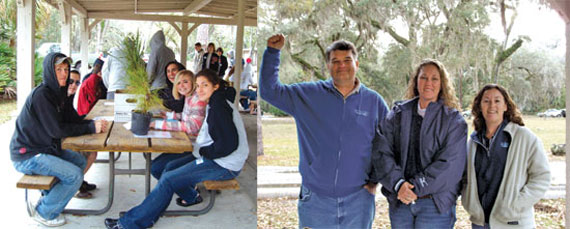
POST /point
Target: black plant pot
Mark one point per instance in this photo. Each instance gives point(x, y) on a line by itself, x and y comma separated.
point(140, 122)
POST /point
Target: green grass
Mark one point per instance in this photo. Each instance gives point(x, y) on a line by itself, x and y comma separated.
point(279, 144)
point(281, 147)
point(6, 109)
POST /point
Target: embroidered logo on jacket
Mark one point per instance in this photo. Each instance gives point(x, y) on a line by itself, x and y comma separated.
point(423, 181)
point(361, 112)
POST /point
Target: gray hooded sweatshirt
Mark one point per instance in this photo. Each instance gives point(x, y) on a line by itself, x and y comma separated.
point(160, 55)
point(114, 70)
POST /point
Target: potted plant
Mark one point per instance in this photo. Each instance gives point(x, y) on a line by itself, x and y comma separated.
point(138, 84)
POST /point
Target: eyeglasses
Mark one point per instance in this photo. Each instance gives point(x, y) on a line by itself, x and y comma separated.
point(72, 81)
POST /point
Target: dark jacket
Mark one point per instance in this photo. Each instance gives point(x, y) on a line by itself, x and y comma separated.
point(40, 125)
point(214, 62)
point(223, 66)
point(443, 151)
point(69, 112)
point(221, 126)
point(168, 100)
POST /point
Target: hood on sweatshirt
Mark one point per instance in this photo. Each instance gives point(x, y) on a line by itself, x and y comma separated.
point(50, 78)
point(157, 40)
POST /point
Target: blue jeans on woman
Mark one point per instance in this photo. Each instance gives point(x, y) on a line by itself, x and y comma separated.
point(182, 181)
point(163, 162)
point(355, 210)
point(67, 167)
point(421, 214)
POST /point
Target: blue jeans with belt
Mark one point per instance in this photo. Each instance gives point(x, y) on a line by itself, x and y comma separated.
point(355, 210)
point(421, 214)
point(67, 167)
point(181, 181)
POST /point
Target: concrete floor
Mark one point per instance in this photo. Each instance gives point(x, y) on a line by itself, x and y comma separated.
point(232, 209)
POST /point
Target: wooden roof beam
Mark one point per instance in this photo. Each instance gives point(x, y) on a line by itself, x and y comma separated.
point(245, 12)
point(77, 9)
point(93, 24)
point(170, 18)
point(195, 6)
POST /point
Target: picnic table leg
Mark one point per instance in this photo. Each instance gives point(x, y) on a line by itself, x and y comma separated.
point(111, 192)
point(130, 163)
point(147, 157)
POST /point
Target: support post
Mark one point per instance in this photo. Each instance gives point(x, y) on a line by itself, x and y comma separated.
point(184, 43)
point(65, 11)
point(26, 16)
point(84, 28)
point(567, 71)
point(239, 49)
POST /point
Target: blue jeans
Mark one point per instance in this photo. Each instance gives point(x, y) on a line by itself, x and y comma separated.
point(355, 210)
point(169, 161)
point(182, 181)
point(422, 214)
point(67, 167)
point(475, 226)
point(251, 95)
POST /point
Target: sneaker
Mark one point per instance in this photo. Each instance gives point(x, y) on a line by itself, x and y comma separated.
point(83, 195)
point(87, 187)
point(58, 221)
point(113, 223)
point(181, 202)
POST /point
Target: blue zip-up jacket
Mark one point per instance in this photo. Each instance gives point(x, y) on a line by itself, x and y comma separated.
point(443, 153)
point(335, 134)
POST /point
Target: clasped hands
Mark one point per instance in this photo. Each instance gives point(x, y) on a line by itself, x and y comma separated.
point(405, 194)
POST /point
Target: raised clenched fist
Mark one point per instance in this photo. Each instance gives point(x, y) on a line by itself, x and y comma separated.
point(276, 41)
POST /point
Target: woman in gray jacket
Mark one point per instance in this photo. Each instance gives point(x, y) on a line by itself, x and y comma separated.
point(507, 169)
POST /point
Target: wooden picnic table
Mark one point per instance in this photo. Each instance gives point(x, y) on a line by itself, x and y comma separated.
point(118, 139)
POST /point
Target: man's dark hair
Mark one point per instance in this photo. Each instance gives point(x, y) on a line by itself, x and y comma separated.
point(220, 50)
point(198, 44)
point(343, 46)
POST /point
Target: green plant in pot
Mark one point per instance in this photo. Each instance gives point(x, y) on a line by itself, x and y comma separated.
point(138, 84)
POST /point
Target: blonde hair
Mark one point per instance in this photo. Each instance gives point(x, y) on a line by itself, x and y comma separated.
point(447, 92)
point(179, 77)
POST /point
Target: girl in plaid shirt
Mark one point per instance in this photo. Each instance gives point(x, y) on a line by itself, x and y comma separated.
point(189, 121)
